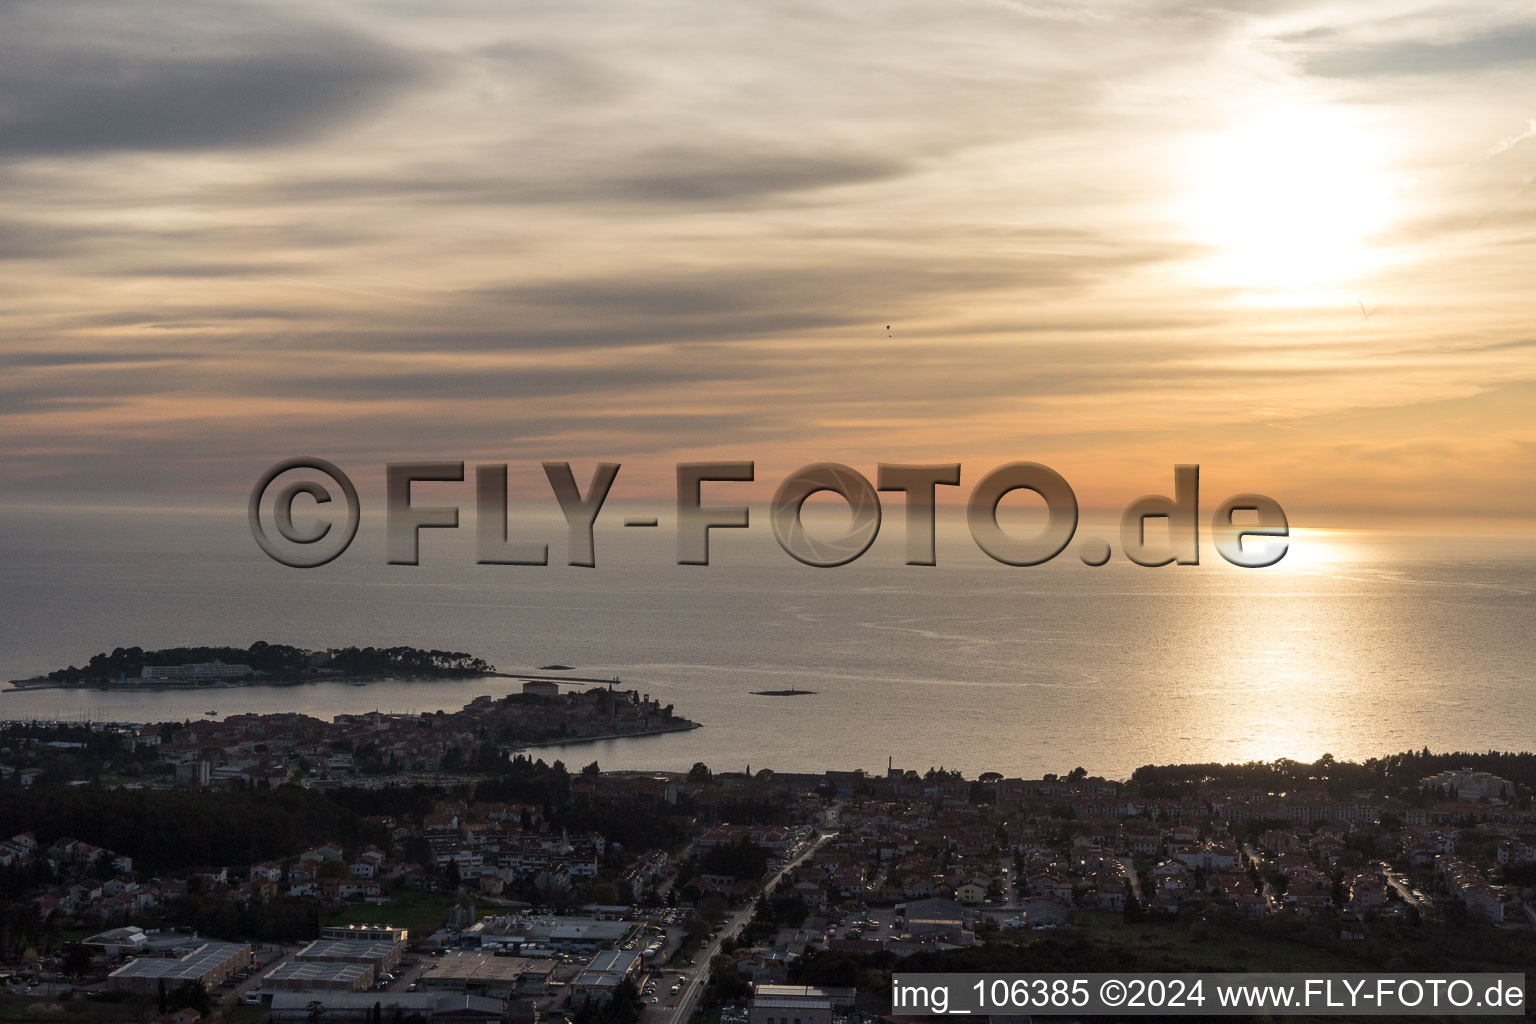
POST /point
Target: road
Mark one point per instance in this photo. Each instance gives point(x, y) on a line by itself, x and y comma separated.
point(696, 977)
point(1272, 901)
point(1008, 907)
point(412, 967)
point(1010, 889)
point(1402, 885)
point(267, 958)
point(1132, 877)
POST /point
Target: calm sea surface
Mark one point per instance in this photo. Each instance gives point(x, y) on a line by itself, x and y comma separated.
point(1355, 646)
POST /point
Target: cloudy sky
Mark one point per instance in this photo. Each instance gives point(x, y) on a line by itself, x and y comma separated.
point(1292, 242)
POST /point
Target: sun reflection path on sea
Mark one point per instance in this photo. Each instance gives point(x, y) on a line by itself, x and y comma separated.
point(1290, 656)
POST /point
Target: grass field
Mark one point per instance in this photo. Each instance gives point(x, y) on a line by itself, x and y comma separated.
point(1212, 945)
point(44, 1009)
point(247, 1014)
point(65, 1011)
point(421, 912)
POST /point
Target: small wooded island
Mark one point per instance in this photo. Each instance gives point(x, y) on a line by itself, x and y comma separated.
point(260, 663)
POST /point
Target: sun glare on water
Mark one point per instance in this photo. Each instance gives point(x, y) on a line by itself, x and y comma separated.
point(1315, 550)
point(1288, 199)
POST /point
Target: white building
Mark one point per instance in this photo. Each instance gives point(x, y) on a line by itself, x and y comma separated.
point(197, 670)
point(790, 1004)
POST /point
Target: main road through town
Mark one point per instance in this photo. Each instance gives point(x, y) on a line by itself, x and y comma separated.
point(696, 977)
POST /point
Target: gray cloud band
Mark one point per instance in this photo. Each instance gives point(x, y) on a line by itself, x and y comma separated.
point(405, 520)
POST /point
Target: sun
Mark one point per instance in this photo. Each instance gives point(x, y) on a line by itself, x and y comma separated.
point(1313, 550)
point(1288, 197)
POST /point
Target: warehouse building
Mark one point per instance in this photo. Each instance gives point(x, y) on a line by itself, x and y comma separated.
point(480, 974)
point(779, 1004)
point(370, 932)
point(298, 976)
point(129, 941)
point(383, 956)
point(211, 963)
point(567, 934)
point(600, 977)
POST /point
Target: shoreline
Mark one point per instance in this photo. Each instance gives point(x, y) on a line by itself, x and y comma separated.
point(44, 683)
point(567, 741)
point(41, 683)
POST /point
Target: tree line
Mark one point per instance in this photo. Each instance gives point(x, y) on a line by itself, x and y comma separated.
point(1395, 773)
point(280, 661)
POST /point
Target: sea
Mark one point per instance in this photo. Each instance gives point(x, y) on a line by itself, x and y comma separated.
point(1355, 644)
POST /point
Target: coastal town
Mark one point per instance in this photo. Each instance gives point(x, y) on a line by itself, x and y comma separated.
point(365, 749)
point(431, 868)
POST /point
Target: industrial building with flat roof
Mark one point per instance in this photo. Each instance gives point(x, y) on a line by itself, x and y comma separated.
point(605, 972)
point(384, 956)
point(564, 933)
point(483, 974)
point(119, 941)
point(296, 975)
point(209, 964)
point(790, 1004)
point(372, 932)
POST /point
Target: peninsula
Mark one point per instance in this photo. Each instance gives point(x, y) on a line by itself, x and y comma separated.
point(260, 663)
